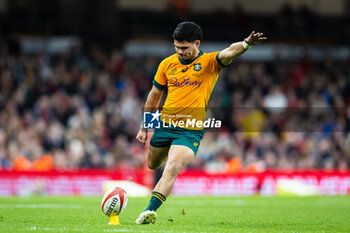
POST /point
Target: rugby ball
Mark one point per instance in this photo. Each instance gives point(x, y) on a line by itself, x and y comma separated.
point(114, 201)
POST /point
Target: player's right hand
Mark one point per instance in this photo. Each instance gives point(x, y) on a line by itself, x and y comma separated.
point(142, 136)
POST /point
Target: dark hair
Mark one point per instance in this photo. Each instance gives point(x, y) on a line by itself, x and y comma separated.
point(188, 31)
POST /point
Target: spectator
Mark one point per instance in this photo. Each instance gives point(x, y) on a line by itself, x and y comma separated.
point(72, 111)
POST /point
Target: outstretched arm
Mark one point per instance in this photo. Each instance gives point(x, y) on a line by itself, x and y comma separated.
point(151, 104)
point(238, 48)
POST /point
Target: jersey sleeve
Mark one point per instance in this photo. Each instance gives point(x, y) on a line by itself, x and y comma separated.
point(160, 79)
point(215, 62)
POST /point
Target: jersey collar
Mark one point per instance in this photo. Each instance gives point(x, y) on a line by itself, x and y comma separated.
point(187, 62)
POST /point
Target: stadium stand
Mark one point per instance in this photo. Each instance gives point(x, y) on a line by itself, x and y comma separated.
point(77, 109)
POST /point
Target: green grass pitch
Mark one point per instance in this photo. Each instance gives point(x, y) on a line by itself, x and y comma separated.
point(179, 214)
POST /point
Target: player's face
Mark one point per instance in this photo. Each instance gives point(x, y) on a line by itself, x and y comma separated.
point(187, 50)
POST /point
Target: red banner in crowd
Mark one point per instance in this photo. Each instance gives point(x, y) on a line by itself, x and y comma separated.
point(82, 182)
point(265, 183)
point(89, 182)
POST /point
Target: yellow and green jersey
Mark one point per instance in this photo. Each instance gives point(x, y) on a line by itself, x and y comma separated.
point(190, 84)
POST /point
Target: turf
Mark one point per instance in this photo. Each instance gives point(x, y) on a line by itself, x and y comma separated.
point(179, 214)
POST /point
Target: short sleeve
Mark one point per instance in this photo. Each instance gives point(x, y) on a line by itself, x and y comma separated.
point(219, 61)
point(160, 79)
point(215, 63)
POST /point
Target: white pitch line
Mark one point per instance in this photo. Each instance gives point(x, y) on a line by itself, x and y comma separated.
point(118, 230)
point(239, 202)
point(216, 202)
point(64, 229)
point(129, 230)
point(41, 206)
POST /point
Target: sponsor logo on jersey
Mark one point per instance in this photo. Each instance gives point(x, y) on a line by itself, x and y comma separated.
point(185, 82)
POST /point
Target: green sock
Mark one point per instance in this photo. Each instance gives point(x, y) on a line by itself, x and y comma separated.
point(156, 201)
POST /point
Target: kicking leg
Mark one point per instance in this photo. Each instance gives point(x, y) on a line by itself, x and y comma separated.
point(156, 157)
point(178, 158)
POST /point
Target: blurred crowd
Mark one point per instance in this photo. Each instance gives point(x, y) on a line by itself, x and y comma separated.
point(284, 114)
point(82, 109)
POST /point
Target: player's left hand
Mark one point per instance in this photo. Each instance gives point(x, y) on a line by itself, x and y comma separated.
point(142, 136)
point(255, 38)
